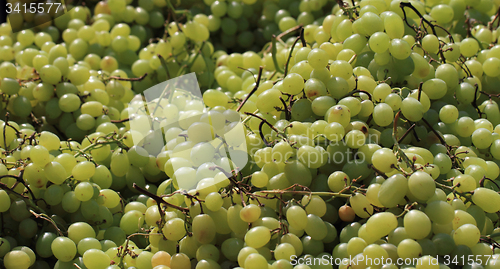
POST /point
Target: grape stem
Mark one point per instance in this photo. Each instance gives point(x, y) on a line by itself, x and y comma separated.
point(402, 5)
point(286, 109)
point(396, 142)
point(407, 209)
point(47, 218)
point(319, 193)
point(490, 24)
point(273, 53)
point(441, 139)
point(181, 70)
point(380, 173)
point(158, 199)
point(266, 122)
point(359, 91)
point(98, 143)
point(300, 37)
point(481, 182)
point(293, 29)
point(406, 133)
point(120, 121)
point(127, 79)
point(259, 76)
point(164, 64)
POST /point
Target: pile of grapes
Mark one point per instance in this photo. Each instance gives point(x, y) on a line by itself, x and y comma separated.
point(251, 134)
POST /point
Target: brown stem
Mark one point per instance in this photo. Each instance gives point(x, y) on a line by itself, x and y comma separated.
point(406, 133)
point(120, 121)
point(402, 5)
point(441, 139)
point(158, 199)
point(128, 79)
point(253, 90)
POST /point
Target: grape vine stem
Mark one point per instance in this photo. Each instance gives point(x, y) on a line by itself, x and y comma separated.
point(128, 79)
point(158, 199)
point(319, 193)
point(259, 76)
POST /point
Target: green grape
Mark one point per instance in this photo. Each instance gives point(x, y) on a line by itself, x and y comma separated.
point(16, 259)
point(50, 74)
point(409, 248)
point(317, 58)
point(22, 106)
point(88, 243)
point(355, 245)
point(381, 224)
point(119, 163)
point(334, 131)
point(255, 261)
point(440, 212)
point(63, 248)
point(259, 180)
point(417, 224)
point(400, 49)
point(69, 102)
point(284, 251)
point(257, 237)
point(337, 87)
point(161, 258)
point(55, 172)
point(461, 218)
point(315, 227)
point(78, 74)
point(204, 229)
point(421, 185)
point(412, 109)
point(43, 244)
point(83, 170)
point(340, 114)
point(448, 74)
point(95, 258)
point(10, 86)
point(53, 195)
point(4, 201)
point(144, 260)
point(337, 181)
point(297, 217)
point(384, 160)
point(70, 203)
point(379, 42)
point(442, 13)
point(268, 100)
point(486, 199)
point(174, 229)
point(39, 155)
point(250, 213)
point(207, 252)
point(43, 92)
point(361, 205)
point(84, 191)
point(469, 47)
point(355, 139)
point(383, 114)
point(482, 138)
point(293, 84)
point(464, 183)
point(467, 234)
point(132, 221)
